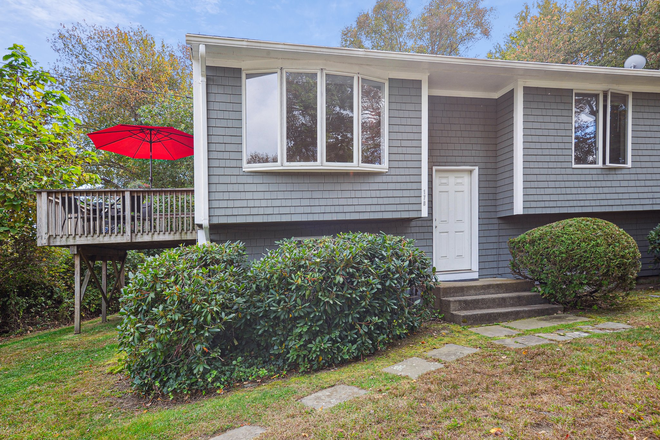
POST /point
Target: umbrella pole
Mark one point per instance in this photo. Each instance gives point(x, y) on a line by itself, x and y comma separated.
point(151, 159)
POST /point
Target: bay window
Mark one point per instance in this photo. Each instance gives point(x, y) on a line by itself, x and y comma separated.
point(309, 120)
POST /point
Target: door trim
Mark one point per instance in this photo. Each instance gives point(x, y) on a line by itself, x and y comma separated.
point(473, 273)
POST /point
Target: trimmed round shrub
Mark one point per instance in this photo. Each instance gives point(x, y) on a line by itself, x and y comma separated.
point(179, 315)
point(578, 262)
point(322, 302)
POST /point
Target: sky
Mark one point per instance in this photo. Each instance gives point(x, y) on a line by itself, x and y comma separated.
point(316, 22)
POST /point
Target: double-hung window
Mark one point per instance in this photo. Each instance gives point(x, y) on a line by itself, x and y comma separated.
point(601, 129)
point(309, 120)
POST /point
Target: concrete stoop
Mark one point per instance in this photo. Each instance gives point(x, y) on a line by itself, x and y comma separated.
point(490, 300)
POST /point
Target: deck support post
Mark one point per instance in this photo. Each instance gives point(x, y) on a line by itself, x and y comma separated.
point(104, 286)
point(77, 293)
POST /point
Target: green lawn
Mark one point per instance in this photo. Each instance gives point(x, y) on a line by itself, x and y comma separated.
point(55, 385)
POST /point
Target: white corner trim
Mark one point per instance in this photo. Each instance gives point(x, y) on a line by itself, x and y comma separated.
point(201, 145)
point(518, 149)
point(474, 211)
point(425, 147)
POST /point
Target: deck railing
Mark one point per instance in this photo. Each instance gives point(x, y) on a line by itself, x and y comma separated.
point(76, 217)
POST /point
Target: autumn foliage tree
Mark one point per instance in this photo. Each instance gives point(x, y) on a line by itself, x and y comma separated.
point(444, 27)
point(112, 74)
point(592, 32)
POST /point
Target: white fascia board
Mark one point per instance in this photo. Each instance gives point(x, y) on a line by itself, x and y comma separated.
point(201, 145)
point(593, 86)
point(425, 147)
point(518, 149)
point(243, 50)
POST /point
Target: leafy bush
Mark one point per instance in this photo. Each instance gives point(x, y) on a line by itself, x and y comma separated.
point(36, 286)
point(325, 301)
point(179, 312)
point(197, 318)
point(578, 262)
point(654, 244)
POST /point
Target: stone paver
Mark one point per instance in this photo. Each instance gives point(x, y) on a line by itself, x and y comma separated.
point(545, 321)
point(575, 335)
point(413, 367)
point(242, 433)
point(612, 326)
point(332, 396)
point(553, 337)
point(522, 341)
point(451, 352)
point(494, 331)
point(654, 296)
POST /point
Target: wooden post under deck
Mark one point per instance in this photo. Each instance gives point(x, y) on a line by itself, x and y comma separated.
point(104, 286)
point(78, 294)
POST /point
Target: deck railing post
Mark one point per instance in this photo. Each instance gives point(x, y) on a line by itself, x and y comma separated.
point(127, 219)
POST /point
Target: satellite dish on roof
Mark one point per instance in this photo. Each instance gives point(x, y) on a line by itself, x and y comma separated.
point(635, 62)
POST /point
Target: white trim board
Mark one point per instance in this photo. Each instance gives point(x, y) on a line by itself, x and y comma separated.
point(201, 167)
point(518, 103)
point(425, 147)
point(473, 273)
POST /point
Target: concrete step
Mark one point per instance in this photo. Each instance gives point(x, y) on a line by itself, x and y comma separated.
point(484, 286)
point(481, 302)
point(491, 316)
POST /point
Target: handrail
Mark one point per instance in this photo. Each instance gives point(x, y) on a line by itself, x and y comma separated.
point(71, 217)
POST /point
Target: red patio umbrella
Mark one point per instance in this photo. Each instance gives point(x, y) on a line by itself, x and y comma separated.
point(144, 142)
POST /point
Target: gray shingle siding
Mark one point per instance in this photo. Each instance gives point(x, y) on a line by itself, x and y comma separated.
point(552, 185)
point(255, 197)
point(464, 132)
point(505, 137)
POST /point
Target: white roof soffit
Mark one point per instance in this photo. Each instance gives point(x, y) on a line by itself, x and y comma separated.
point(474, 77)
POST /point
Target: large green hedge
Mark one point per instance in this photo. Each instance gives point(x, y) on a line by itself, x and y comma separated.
point(578, 262)
point(201, 318)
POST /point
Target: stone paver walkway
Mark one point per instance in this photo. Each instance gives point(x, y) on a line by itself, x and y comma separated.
point(413, 367)
point(242, 433)
point(332, 396)
point(451, 352)
point(494, 331)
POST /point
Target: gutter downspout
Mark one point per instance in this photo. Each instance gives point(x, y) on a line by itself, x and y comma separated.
point(201, 146)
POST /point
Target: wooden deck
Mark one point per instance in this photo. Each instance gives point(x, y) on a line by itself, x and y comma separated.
point(120, 219)
point(102, 225)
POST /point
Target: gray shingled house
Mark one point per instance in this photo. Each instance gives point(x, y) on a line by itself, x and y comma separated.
point(459, 154)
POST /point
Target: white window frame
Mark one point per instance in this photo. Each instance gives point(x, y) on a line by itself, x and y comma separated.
point(603, 143)
point(282, 165)
point(628, 130)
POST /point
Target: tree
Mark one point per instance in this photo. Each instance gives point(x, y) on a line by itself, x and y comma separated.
point(111, 74)
point(445, 27)
point(385, 28)
point(450, 27)
point(592, 32)
point(35, 133)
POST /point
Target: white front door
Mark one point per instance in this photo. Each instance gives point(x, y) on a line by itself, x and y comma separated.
point(452, 221)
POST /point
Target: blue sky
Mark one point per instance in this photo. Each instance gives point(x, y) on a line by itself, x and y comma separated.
point(32, 22)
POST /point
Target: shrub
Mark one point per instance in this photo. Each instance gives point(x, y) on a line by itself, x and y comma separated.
point(321, 302)
point(578, 262)
point(196, 318)
point(179, 312)
point(654, 244)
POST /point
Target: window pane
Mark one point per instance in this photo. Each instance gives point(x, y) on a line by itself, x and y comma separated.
point(261, 117)
point(372, 103)
point(339, 118)
point(301, 117)
point(618, 136)
point(586, 129)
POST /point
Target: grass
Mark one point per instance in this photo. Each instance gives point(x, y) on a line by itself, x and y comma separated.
point(55, 385)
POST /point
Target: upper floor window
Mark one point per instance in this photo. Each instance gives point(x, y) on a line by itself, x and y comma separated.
point(601, 129)
point(300, 119)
